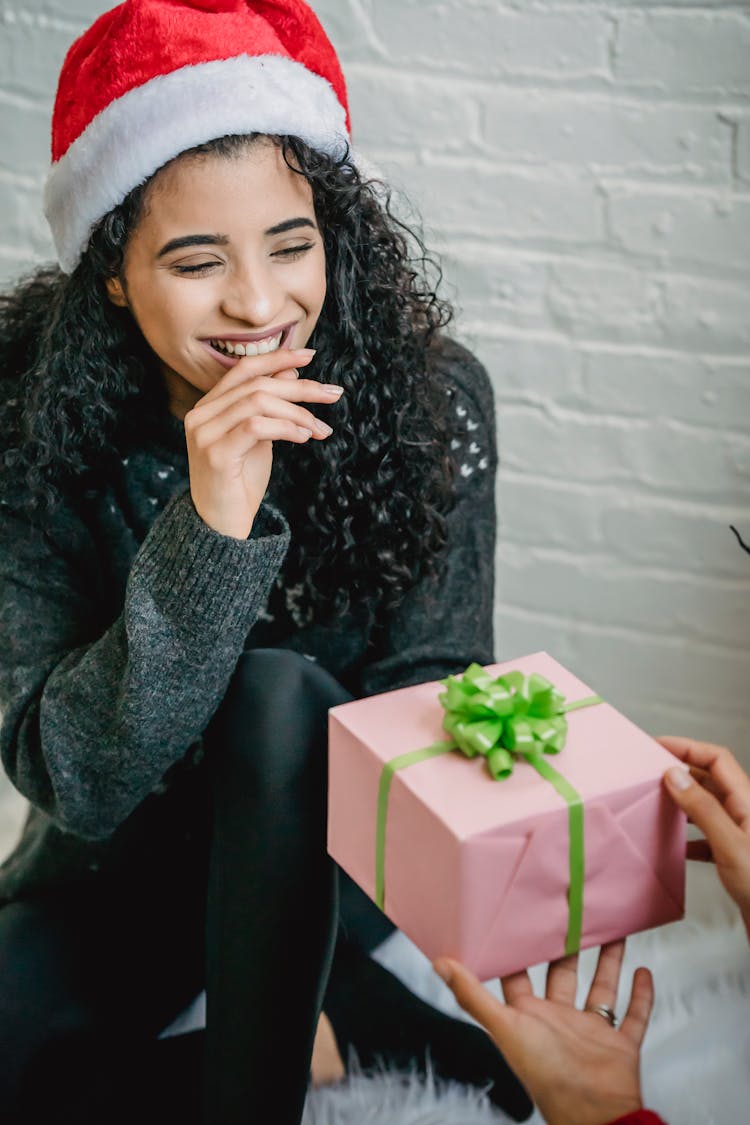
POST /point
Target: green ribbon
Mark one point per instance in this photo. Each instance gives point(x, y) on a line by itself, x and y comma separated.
point(511, 716)
point(384, 789)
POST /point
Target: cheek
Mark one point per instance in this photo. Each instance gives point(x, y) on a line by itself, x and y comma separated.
point(166, 315)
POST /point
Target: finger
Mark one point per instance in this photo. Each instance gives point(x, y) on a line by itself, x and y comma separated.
point(261, 405)
point(495, 1017)
point(726, 772)
point(562, 980)
point(248, 367)
point(246, 436)
point(291, 389)
point(704, 778)
point(515, 986)
point(636, 1019)
point(689, 748)
point(607, 976)
point(704, 810)
point(739, 810)
point(699, 850)
point(734, 803)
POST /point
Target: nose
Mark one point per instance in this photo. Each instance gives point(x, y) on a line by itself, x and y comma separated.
point(253, 295)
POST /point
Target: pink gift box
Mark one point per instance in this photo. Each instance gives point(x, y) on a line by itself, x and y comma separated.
point(478, 869)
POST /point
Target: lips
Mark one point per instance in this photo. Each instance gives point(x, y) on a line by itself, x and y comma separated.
point(228, 348)
point(254, 347)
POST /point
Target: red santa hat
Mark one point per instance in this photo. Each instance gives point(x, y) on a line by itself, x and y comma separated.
point(152, 78)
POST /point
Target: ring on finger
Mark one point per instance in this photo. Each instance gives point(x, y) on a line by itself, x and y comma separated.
point(605, 1012)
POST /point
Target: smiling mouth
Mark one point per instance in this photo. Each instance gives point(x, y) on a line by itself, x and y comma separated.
point(238, 346)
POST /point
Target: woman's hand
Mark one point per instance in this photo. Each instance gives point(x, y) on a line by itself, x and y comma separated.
point(577, 1068)
point(231, 430)
point(715, 793)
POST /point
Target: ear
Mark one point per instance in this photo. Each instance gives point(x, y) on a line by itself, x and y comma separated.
point(116, 293)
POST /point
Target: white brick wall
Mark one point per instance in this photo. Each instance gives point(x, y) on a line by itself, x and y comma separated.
point(583, 168)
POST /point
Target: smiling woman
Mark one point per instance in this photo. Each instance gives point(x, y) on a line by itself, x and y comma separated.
point(194, 295)
point(245, 476)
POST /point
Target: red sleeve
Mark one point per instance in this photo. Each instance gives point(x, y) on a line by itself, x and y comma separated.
point(639, 1117)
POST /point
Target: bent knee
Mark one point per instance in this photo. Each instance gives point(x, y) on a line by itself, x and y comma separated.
point(274, 716)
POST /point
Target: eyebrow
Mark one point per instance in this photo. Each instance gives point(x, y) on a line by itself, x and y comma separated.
point(193, 240)
point(223, 239)
point(291, 224)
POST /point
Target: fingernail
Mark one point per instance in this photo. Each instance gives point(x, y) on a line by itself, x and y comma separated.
point(322, 429)
point(679, 776)
point(332, 389)
point(443, 970)
point(304, 433)
point(307, 352)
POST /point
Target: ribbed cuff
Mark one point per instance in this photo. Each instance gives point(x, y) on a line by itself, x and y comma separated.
point(206, 582)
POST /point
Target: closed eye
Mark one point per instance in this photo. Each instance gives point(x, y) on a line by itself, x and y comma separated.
point(201, 267)
point(291, 252)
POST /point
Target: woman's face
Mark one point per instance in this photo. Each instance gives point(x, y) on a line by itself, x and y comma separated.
point(226, 256)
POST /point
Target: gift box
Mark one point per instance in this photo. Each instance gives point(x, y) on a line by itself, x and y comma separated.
point(568, 851)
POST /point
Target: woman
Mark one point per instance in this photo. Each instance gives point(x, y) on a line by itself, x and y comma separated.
point(209, 534)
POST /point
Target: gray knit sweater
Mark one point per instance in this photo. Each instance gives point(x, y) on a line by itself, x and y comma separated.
point(121, 625)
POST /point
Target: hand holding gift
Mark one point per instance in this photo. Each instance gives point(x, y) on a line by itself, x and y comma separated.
point(577, 1069)
point(715, 793)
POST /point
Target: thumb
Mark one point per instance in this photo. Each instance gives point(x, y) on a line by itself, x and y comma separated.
point(703, 809)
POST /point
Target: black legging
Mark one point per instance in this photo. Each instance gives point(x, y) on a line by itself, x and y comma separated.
point(89, 977)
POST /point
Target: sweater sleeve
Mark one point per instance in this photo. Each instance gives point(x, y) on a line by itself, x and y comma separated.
point(444, 624)
point(91, 721)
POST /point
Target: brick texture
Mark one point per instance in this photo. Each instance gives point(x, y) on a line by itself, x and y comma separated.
point(583, 170)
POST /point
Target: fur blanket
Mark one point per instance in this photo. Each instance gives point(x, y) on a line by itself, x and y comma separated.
point(397, 1099)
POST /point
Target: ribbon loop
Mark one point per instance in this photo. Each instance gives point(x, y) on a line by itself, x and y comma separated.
point(513, 714)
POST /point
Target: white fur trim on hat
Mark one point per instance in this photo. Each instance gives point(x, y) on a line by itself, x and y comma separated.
point(139, 132)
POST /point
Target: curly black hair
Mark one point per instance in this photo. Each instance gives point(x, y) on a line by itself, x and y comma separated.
point(368, 505)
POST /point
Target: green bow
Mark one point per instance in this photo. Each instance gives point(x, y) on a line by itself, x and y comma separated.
point(499, 718)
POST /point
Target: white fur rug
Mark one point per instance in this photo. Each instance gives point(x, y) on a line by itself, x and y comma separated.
point(394, 1099)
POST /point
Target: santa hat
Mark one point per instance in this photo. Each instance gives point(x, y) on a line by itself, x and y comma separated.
point(152, 78)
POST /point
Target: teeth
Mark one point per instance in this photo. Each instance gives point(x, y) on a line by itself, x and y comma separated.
point(261, 347)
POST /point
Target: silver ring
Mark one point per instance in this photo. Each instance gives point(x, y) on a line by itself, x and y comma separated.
point(605, 1012)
